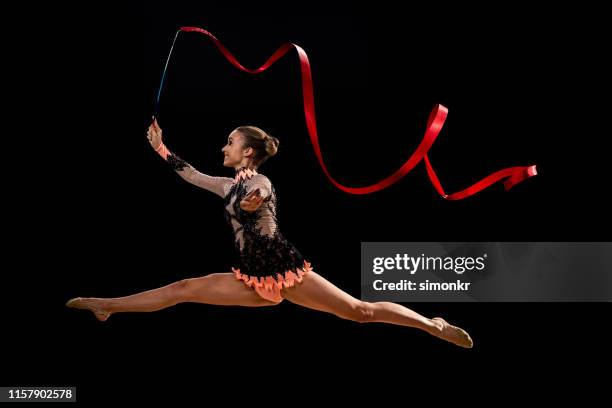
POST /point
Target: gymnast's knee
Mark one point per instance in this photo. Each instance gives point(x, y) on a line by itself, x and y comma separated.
point(362, 312)
point(182, 288)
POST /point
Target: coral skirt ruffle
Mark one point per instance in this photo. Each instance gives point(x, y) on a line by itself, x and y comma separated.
point(269, 288)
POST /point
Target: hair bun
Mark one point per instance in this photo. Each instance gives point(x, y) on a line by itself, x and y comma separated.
point(271, 145)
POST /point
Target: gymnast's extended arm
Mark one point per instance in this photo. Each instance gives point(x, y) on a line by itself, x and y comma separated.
point(184, 169)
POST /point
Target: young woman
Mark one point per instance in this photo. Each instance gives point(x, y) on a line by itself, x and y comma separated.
point(271, 268)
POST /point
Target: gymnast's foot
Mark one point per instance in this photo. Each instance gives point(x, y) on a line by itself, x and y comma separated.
point(96, 305)
point(451, 333)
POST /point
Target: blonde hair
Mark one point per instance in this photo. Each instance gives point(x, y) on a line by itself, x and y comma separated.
point(264, 145)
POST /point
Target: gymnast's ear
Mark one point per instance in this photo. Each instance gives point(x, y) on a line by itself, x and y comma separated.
point(249, 152)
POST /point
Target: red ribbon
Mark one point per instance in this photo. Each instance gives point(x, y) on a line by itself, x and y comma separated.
point(512, 175)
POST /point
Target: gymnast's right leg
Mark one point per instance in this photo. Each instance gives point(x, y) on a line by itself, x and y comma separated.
point(215, 289)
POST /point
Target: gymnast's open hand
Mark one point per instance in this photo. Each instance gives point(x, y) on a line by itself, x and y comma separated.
point(252, 201)
point(154, 134)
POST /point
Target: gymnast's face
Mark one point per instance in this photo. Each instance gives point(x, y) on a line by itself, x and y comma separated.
point(234, 153)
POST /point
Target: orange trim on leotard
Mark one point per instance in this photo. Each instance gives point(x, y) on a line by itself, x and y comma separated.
point(267, 287)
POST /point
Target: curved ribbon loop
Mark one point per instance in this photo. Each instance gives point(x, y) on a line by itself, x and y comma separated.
point(510, 176)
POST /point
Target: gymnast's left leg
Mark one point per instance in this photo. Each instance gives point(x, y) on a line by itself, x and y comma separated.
point(315, 292)
point(214, 289)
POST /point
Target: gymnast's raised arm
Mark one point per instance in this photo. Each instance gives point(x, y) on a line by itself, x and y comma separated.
point(184, 169)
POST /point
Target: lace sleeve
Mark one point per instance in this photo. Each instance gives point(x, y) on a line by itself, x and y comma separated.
point(190, 174)
point(214, 184)
point(261, 182)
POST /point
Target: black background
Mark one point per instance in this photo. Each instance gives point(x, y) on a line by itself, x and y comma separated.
point(100, 214)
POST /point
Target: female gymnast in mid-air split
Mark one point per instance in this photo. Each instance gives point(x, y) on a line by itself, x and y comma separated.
point(271, 268)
